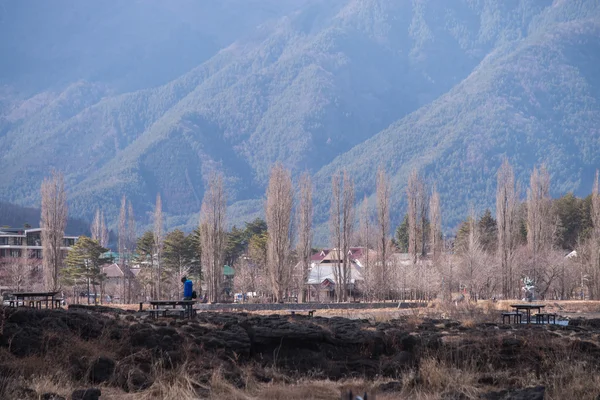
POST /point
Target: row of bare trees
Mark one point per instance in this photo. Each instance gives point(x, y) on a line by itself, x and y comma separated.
point(491, 256)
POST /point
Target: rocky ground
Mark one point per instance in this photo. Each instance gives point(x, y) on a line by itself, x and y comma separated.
point(122, 354)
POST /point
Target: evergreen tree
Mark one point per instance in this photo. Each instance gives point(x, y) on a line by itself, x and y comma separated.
point(402, 235)
point(195, 245)
point(236, 244)
point(144, 255)
point(177, 257)
point(84, 263)
point(573, 220)
point(488, 231)
point(256, 227)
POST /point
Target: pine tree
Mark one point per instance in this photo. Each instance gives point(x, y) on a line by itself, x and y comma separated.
point(83, 264)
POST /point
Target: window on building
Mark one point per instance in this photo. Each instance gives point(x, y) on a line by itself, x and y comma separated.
point(3, 241)
point(33, 239)
point(15, 253)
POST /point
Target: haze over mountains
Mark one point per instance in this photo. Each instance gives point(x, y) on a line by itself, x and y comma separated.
point(150, 96)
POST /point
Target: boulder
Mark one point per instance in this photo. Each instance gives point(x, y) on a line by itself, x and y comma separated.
point(133, 376)
point(390, 387)
point(51, 396)
point(137, 380)
point(86, 394)
point(530, 393)
point(101, 370)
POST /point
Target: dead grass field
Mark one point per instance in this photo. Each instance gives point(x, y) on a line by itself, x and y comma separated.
point(437, 375)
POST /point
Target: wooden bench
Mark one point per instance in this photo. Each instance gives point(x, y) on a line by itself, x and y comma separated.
point(517, 317)
point(310, 312)
point(163, 312)
point(156, 312)
point(177, 311)
point(541, 317)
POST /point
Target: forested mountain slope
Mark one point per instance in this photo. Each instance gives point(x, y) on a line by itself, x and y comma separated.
point(146, 97)
point(537, 103)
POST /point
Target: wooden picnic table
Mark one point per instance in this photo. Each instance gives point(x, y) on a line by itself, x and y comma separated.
point(187, 305)
point(37, 298)
point(308, 311)
point(527, 308)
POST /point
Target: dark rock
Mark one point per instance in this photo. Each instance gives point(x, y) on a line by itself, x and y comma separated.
point(24, 393)
point(22, 340)
point(86, 394)
point(78, 366)
point(52, 396)
point(166, 331)
point(173, 358)
point(101, 370)
point(451, 324)
point(390, 387)
point(115, 334)
point(137, 381)
point(144, 338)
point(531, 393)
point(234, 375)
point(261, 377)
point(399, 362)
point(487, 380)
point(512, 342)
point(454, 396)
point(409, 342)
point(591, 323)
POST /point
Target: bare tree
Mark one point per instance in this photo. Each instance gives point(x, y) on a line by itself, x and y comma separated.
point(423, 214)
point(348, 221)
point(53, 222)
point(99, 229)
point(412, 195)
point(158, 242)
point(383, 230)
point(103, 231)
point(130, 244)
point(96, 226)
point(506, 216)
point(131, 229)
point(417, 222)
point(121, 246)
point(364, 238)
point(212, 235)
point(470, 253)
point(594, 242)
point(18, 270)
point(257, 251)
point(342, 229)
point(435, 231)
point(305, 216)
point(336, 231)
point(280, 199)
point(539, 219)
point(245, 277)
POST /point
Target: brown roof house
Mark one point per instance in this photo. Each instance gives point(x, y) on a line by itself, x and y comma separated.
point(120, 284)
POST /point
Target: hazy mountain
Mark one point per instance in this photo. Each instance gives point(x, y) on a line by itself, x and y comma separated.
point(143, 97)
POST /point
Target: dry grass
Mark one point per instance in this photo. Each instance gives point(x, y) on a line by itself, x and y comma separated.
point(563, 370)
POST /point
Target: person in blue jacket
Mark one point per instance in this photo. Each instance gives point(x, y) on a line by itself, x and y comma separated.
point(188, 289)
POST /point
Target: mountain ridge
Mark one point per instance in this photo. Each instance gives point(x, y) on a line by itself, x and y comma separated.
point(322, 86)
